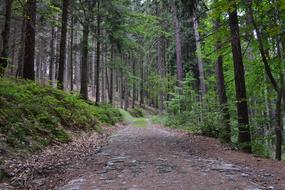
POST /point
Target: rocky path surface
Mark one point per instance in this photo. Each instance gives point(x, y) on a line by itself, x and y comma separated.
point(157, 158)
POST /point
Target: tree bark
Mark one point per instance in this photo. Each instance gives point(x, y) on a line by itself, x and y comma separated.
point(62, 55)
point(98, 56)
point(244, 137)
point(142, 85)
point(111, 76)
point(71, 53)
point(84, 63)
point(52, 56)
point(179, 66)
point(29, 55)
point(22, 48)
point(199, 59)
point(225, 134)
point(4, 57)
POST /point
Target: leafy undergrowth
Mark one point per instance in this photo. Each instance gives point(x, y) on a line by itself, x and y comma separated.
point(34, 116)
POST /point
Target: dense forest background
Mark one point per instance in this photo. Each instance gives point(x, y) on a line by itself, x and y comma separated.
point(215, 67)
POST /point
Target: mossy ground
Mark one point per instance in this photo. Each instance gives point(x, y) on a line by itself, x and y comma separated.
point(34, 116)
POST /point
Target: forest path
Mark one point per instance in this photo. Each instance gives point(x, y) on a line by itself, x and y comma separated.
point(152, 157)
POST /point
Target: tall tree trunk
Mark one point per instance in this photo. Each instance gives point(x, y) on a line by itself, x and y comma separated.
point(111, 85)
point(142, 84)
point(244, 137)
point(134, 84)
point(71, 53)
point(103, 76)
point(22, 48)
point(52, 56)
point(84, 63)
point(14, 50)
point(160, 71)
point(202, 84)
point(29, 56)
point(62, 55)
point(4, 57)
point(179, 66)
point(98, 56)
point(221, 90)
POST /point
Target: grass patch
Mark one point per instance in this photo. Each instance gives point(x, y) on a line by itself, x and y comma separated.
point(140, 123)
point(159, 119)
point(127, 118)
point(34, 116)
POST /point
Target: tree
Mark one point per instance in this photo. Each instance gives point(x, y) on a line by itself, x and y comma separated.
point(29, 55)
point(278, 87)
point(98, 53)
point(84, 63)
point(179, 66)
point(221, 88)
point(63, 39)
point(242, 109)
point(4, 58)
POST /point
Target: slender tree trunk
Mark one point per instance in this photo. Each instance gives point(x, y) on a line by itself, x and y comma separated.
point(221, 90)
point(14, 50)
point(62, 55)
point(244, 137)
point(98, 56)
point(29, 56)
point(22, 48)
point(160, 71)
point(39, 62)
point(134, 84)
point(111, 76)
point(279, 126)
point(199, 59)
point(142, 85)
point(102, 76)
point(4, 57)
point(178, 47)
point(84, 63)
point(52, 56)
point(71, 53)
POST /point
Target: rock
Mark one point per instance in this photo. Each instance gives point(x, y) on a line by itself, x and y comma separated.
point(244, 175)
point(225, 168)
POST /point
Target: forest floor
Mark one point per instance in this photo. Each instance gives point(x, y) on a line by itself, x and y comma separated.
point(144, 156)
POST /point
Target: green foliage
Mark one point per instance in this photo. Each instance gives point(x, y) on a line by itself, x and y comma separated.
point(34, 116)
point(136, 112)
point(187, 112)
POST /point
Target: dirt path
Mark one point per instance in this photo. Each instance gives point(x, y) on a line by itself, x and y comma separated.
point(156, 158)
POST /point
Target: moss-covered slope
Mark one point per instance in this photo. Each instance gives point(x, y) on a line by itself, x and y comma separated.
point(34, 116)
